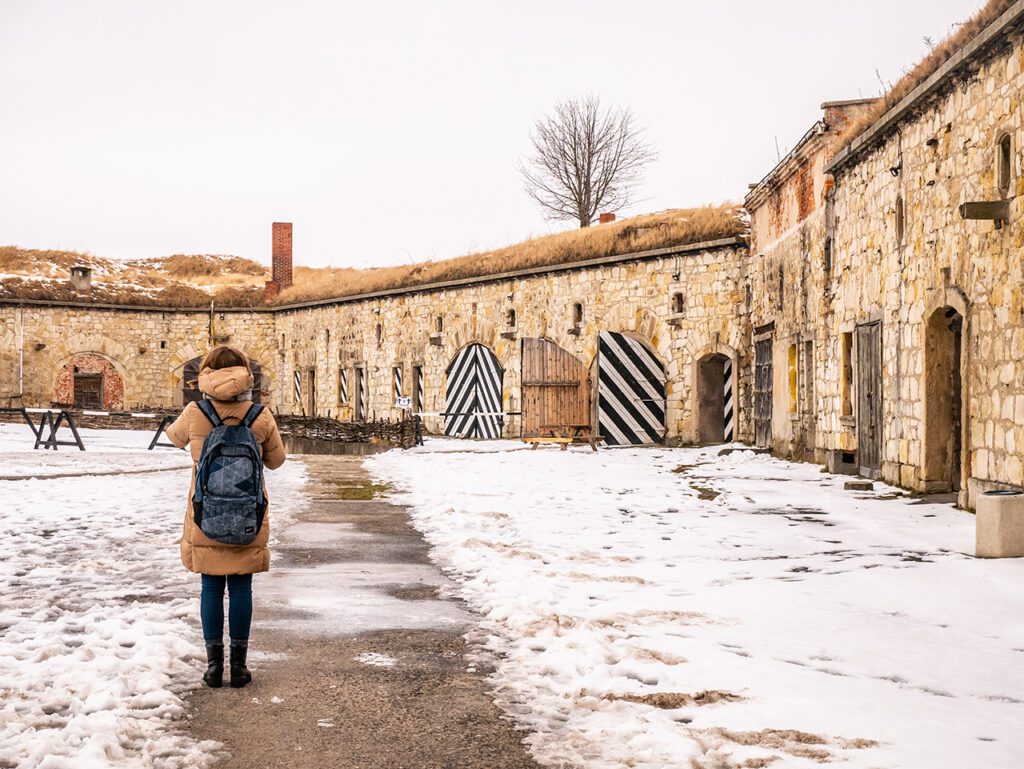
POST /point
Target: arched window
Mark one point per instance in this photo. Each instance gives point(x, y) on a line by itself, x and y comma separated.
point(678, 303)
point(510, 318)
point(1004, 165)
point(900, 220)
point(577, 314)
point(828, 254)
point(380, 334)
point(439, 324)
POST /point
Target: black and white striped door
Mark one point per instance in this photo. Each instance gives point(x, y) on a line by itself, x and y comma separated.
point(630, 392)
point(360, 395)
point(730, 414)
point(473, 394)
point(417, 393)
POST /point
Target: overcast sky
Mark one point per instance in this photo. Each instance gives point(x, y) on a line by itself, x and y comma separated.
point(390, 131)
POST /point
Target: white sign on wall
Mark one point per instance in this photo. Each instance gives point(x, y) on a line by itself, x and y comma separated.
point(403, 402)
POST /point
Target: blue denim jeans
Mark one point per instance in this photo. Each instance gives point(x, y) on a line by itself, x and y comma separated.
point(211, 607)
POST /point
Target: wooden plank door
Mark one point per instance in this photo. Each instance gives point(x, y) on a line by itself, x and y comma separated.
point(763, 387)
point(556, 387)
point(869, 399)
point(89, 391)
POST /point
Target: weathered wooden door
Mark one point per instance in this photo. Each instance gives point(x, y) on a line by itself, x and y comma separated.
point(89, 391)
point(763, 392)
point(630, 391)
point(556, 387)
point(869, 399)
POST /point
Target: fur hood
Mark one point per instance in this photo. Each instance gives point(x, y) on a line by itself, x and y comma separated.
point(226, 384)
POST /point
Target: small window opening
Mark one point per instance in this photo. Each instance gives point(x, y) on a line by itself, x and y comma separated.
point(900, 220)
point(678, 303)
point(439, 324)
point(1004, 167)
point(327, 337)
point(510, 318)
point(828, 254)
point(379, 334)
point(163, 344)
point(782, 285)
point(577, 315)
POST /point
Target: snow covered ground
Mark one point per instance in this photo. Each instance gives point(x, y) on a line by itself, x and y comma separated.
point(652, 608)
point(98, 629)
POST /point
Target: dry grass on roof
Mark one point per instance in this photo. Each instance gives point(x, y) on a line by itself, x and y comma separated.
point(640, 233)
point(924, 69)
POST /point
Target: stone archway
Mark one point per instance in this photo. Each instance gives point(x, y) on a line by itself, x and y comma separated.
point(944, 401)
point(715, 401)
point(89, 381)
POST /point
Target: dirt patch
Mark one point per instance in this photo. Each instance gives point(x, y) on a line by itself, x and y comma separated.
point(414, 592)
point(705, 493)
point(674, 700)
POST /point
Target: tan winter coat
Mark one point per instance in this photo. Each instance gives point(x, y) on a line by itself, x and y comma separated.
point(199, 553)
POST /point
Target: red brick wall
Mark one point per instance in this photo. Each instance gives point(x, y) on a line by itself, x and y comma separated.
point(281, 254)
point(87, 363)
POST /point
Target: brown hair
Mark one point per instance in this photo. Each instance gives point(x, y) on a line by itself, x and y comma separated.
point(223, 356)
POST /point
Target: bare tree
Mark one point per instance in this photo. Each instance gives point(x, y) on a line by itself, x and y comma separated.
point(585, 159)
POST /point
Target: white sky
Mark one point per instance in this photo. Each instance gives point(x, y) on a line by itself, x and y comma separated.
point(391, 130)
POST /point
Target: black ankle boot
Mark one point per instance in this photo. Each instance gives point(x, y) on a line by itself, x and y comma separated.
point(214, 675)
point(240, 674)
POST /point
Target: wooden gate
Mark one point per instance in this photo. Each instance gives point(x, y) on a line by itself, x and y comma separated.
point(763, 391)
point(556, 387)
point(869, 399)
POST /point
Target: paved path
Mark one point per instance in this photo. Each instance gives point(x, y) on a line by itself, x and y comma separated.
point(351, 586)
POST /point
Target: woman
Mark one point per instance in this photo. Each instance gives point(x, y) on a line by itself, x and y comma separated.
point(225, 380)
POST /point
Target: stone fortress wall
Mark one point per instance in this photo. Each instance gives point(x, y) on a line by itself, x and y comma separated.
point(305, 350)
point(892, 277)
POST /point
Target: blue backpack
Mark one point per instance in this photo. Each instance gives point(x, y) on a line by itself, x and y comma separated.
point(228, 504)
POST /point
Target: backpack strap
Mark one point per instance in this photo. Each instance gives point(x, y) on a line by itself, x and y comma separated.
point(209, 412)
point(252, 415)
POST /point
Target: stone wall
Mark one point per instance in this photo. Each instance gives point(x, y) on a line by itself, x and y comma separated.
point(630, 296)
point(634, 296)
point(147, 349)
point(902, 255)
point(946, 154)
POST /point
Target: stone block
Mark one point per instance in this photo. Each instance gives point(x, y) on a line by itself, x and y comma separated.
point(859, 486)
point(999, 525)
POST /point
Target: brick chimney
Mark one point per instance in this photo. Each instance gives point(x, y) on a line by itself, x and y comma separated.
point(281, 254)
point(280, 260)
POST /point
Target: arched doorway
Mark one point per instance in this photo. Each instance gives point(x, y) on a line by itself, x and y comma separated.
point(472, 401)
point(715, 409)
point(89, 381)
point(190, 381)
point(630, 391)
point(944, 401)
